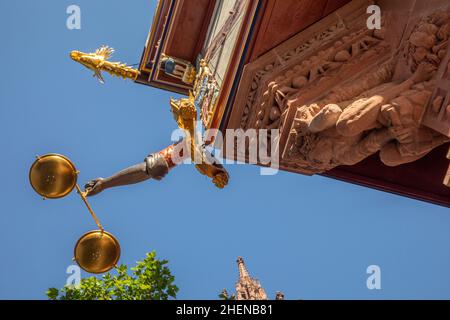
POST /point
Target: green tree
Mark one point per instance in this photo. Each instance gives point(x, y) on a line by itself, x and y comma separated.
point(224, 295)
point(150, 279)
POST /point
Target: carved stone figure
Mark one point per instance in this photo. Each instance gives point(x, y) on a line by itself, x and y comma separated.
point(375, 113)
point(340, 92)
point(387, 120)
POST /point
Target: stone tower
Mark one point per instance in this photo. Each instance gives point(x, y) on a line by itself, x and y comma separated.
point(248, 288)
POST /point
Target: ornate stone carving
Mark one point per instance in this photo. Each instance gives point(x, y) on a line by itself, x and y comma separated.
point(386, 118)
point(281, 60)
point(344, 92)
point(308, 79)
point(437, 115)
point(375, 113)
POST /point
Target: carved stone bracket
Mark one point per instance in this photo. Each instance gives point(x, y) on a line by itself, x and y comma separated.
point(340, 92)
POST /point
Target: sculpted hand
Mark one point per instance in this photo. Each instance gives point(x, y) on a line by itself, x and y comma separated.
point(220, 180)
point(424, 72)
point(210, 167)
point(94, 187)
point(215, 171)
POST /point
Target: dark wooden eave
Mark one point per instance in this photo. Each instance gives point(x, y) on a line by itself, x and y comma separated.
point(178, 30)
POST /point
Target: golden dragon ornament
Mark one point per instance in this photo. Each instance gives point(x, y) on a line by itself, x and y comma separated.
point(98, 62)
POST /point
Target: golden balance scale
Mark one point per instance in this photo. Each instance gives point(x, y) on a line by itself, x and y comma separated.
point(54, 176)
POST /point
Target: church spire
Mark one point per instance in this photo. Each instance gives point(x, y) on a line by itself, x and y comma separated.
point(242, 268)
point(248, 288)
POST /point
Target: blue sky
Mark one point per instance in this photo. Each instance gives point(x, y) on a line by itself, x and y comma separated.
point(310, 237)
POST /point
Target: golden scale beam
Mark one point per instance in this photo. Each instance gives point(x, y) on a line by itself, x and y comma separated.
point(54, 176)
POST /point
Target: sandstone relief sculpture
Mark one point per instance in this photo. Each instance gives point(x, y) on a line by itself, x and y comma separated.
point(345, 92)
point(313, 73)
point(388, 120)
point(375, 113)
point(311, 44)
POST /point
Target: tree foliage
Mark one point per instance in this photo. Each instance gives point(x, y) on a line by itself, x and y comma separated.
point(225, 296)
point(150, 279)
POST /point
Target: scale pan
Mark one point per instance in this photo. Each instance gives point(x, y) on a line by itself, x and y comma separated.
point(97, 252)
point(53, 176)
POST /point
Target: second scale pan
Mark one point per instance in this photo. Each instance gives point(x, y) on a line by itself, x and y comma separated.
point(97, 251)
